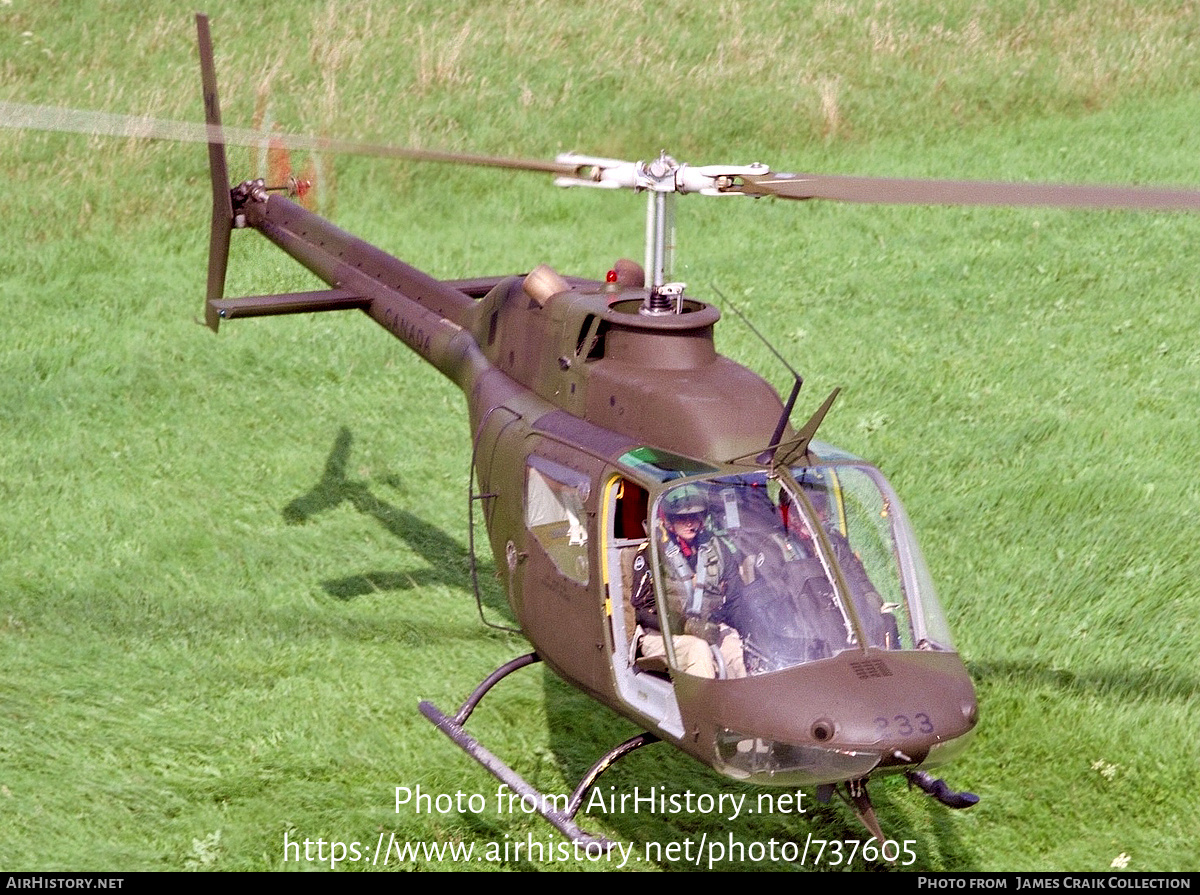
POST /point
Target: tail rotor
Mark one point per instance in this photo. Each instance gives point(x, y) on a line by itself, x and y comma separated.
point(222, 215)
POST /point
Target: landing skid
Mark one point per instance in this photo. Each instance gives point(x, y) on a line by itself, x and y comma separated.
point(546, 806)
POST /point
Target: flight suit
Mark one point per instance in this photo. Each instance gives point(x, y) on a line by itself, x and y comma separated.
point(699, 581)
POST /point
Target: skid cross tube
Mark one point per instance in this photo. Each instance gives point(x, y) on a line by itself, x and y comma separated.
point(546, 806)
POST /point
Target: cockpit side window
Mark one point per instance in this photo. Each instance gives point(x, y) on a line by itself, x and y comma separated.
point(554, 513)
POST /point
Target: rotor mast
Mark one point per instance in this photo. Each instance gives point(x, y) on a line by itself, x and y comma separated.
point(662, 180)
point(660, 232)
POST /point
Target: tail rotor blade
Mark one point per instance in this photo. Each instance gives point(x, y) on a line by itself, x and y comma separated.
point(222, 216)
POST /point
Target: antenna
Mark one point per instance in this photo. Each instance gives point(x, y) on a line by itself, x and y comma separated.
point(768, 455)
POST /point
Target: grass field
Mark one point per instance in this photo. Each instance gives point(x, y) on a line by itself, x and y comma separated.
point(230, 566)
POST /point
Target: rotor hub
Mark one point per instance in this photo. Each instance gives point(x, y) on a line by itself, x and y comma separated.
point(663, 300)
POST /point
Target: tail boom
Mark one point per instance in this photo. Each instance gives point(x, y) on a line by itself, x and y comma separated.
point(426, 314)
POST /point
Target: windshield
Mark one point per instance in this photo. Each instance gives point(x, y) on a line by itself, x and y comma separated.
point(796, 566)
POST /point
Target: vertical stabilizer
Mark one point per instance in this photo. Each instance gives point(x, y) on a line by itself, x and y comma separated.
point(222, 216)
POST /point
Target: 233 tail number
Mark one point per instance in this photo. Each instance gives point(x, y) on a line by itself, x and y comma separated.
point(905, 725)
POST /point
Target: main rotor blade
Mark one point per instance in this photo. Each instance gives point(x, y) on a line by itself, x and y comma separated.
point(582, 170)
point(893, 191)
point(85, 121)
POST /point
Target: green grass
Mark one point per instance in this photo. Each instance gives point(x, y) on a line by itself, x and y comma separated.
point(203, 648)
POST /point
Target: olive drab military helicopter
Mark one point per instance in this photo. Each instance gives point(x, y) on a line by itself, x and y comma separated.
point(669, 542)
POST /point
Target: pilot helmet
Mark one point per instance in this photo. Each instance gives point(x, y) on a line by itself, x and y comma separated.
point(685, 500)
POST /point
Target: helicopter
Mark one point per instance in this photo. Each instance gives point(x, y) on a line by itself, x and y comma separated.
point(599, 408)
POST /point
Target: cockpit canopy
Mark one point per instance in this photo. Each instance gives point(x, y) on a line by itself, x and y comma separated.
point(801, 563)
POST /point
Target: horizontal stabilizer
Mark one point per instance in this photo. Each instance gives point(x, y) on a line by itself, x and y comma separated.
point(286, 303)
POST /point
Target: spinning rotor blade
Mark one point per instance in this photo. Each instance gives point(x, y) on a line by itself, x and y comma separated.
point(892, 191)
point(664, 175)
point(85, 121)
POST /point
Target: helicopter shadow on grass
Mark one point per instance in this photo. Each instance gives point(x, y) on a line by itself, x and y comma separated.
point(447, 562)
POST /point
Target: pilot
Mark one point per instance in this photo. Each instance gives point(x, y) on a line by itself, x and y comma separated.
point(702, 581)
